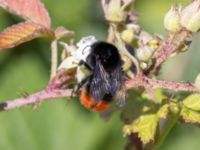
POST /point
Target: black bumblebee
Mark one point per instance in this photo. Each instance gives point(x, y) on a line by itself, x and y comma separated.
point(101, 86)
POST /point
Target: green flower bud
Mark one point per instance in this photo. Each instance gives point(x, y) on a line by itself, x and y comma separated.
point(197, 82)
point(116, 10)
point(190, 16)
point(174, 107)
point(144, 65)
point(128, 35)
point(172, 20)
point(115, 13)
point(136, 28)
point(144, 38)
point(144, 53)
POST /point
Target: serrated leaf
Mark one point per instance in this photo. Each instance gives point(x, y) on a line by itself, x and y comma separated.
point(192, 102)
point(32, 10)
point(163, 111)
point(145, 126)
point(190, 116)
point(21, 33)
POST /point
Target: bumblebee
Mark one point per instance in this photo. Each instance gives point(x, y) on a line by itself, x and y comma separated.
point(105, 80)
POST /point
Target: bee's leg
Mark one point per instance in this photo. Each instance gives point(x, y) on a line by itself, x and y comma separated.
point(86, 65)
point(78, 86)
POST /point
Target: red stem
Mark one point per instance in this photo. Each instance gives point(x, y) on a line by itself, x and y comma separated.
point(34, 98)
point(152, 83)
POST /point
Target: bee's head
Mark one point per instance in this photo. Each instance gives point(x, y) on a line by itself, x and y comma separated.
point(106, 54)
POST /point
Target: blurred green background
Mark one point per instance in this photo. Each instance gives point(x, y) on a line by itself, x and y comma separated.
point(59, 125)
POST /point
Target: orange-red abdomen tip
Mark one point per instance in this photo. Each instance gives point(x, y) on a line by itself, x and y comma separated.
point(88, 102)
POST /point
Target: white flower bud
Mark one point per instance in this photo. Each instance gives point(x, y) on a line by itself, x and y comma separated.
point(197, 82)
point(172, 20)
point(144, 53)
point(68, 63)
point(190, 16)
point(115, 12)
point(144, 66)
point(128, 35)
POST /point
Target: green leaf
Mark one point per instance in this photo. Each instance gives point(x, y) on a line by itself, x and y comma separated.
point(156, 95)
point(190, 116)
point(163, 111)
point(192, 102)
point(145, 126)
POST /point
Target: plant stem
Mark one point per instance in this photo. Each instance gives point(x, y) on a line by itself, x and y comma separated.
point(54, 89)
point(45, 94)
point(54, 58)
point(143, 81)
point(169, 47)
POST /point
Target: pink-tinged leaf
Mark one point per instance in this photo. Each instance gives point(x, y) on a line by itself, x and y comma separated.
point(61, 32)
point(22, 32)
point(31, 10)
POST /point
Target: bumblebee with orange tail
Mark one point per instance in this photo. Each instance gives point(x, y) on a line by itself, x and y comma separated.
point(105, 79)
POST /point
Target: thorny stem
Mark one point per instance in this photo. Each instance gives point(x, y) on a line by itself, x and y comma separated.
point(54, 90)
point(54, 58)
point(34, 98)
point(143, 81)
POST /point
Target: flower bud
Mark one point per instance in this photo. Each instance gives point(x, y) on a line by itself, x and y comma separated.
point(68, 63)
point(115, 12)
point(197, 82)
point(144, 53)
point(144, 38)
point(190, 16)
point(128, 35)
point(172, 20)
point(144, 65)
point(174, 107)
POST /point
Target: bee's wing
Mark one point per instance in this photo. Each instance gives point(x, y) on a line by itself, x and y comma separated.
point(99, 84)
point(115, 80)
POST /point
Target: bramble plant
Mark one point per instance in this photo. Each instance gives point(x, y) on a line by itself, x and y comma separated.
point(151, 109)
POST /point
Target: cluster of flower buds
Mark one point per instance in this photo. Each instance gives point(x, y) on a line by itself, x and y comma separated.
point(130, 33)
point(147, 46)
point(187, 17)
